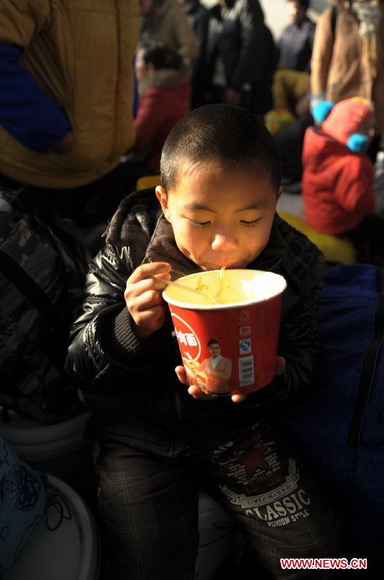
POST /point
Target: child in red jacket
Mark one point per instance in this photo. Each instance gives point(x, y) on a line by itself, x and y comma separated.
point(338, 176)
point(163, 100)
point(164, 92)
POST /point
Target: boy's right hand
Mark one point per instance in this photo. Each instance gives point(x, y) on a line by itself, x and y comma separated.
point(143, 297)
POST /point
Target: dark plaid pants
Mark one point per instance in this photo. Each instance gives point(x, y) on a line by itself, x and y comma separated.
point(149, 506)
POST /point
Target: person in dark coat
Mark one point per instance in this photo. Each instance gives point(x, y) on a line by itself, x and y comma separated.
point(296, 40)
point(198, 16)
point(241, 56)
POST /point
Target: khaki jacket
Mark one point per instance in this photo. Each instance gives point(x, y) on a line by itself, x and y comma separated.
point(340, 66)
point(80, 53)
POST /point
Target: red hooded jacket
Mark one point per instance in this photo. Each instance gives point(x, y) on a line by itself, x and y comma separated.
point(337, 185)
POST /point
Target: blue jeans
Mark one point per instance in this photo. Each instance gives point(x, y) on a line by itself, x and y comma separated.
point(149, 506)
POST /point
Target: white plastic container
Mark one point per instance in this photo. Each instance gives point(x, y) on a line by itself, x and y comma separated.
point(37, 442)
point(59, 449)
point(69, 552)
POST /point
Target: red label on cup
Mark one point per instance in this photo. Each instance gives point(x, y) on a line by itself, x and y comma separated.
point(228, 348)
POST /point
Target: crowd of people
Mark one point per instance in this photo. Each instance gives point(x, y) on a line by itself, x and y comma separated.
point(347, 87)
point(94, 95)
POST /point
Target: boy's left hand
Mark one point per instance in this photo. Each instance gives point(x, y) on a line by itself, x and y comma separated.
point(197, 393)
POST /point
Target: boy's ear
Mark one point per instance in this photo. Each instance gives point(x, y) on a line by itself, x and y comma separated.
point(280, 191)
point(163, 199)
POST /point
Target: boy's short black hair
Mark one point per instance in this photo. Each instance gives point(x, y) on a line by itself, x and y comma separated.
point(222, 133)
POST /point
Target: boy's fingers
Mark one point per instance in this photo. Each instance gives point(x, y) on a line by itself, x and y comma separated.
point(280, 368)
point(147, 300)
point(148, 271)
point(193, 390)
point(145, 291)
point(181, 374)
point(238, 398)
point(197, 393)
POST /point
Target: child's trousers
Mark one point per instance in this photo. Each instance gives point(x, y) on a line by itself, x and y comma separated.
point(149, 506)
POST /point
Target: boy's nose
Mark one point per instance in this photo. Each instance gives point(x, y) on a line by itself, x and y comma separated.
point(223, 242)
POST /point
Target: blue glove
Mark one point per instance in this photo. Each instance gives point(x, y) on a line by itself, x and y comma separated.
point(321, 110)
point(357, 142)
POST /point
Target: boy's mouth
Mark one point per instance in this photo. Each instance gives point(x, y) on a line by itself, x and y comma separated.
point(234, 266)
point(226, 266)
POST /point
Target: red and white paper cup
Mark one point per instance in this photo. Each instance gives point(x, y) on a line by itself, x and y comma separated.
point(230, 347)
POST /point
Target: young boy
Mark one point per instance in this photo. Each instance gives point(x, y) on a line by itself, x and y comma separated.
point(160, 441)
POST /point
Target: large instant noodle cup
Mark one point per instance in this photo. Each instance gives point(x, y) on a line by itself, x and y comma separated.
point(229, 347)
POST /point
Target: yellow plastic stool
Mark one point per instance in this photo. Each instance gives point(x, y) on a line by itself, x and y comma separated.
point(335, 249)
point(148, 181)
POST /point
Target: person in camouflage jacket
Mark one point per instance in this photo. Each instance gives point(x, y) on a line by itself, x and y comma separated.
point(41, 287)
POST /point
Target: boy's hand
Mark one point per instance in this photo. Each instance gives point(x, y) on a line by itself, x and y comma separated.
point(197, 393)
point(193, 390)
point(143, 297)
point(280, 365)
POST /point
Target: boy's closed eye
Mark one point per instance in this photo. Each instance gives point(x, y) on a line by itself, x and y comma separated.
point(248, 223)
point(251, 222)
point(199, 224)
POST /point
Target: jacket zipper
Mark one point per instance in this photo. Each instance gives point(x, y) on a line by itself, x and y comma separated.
point(368, 368)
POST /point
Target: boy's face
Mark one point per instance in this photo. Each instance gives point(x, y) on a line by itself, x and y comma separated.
point(221, 217)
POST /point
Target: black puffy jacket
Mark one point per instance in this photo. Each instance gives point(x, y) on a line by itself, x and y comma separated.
point(130, 383)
